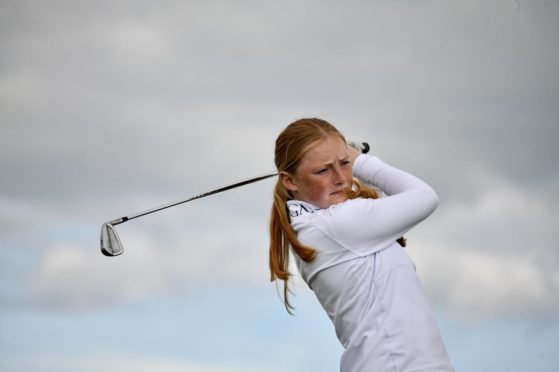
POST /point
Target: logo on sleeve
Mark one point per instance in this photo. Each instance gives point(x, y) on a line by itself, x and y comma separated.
point(296, 210)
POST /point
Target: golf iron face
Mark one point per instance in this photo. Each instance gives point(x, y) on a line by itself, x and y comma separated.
point(110, 242)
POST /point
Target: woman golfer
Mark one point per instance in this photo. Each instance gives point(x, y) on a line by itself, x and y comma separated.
point(347, 247)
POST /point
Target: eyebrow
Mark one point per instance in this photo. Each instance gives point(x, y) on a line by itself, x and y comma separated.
point(331, 162)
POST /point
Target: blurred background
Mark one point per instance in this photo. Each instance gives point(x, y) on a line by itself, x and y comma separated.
point(108, 108)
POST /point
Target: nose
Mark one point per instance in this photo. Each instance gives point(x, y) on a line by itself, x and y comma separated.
point(338, 176)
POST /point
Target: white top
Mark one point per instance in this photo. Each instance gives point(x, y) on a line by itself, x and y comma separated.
point(364, 279)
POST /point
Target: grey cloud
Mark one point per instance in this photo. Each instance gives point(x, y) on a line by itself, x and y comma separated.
point(108, 109)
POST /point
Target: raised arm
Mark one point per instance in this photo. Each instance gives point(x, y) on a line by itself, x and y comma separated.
point(364, 223)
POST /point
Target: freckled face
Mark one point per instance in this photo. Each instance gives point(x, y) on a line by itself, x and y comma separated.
point(323, 173)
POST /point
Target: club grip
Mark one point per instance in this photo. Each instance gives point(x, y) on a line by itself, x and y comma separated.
point(361, 146)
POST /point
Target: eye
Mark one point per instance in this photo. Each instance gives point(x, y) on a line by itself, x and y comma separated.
point(321, 171)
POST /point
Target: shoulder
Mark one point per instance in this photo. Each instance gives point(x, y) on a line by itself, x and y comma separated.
point(351, 207)
point(336, 220)
point(298, 208)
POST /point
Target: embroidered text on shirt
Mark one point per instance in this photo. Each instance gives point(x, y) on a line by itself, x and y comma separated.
point(295, 210)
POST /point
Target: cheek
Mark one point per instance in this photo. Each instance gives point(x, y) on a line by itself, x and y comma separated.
point(314, 187)
point(349, 176)
point(321, 188)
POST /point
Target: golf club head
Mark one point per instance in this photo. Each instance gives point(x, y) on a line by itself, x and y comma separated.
point(110, 243)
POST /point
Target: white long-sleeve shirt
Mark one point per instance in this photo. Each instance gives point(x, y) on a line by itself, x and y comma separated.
point(364, 280)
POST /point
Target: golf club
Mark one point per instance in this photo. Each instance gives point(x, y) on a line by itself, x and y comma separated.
point(110, 242)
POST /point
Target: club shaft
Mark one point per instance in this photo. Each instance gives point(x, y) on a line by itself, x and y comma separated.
point(157, 209)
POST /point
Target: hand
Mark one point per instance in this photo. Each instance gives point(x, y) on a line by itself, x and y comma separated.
point(353, 153)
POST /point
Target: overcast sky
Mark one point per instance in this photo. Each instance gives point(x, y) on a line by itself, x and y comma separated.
point(108, 108)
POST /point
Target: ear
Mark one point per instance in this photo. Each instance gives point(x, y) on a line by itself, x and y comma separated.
point(288, 181)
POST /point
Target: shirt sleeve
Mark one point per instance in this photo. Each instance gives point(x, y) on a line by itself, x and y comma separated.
point(367, 225)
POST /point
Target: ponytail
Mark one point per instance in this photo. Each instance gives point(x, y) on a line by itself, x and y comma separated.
point(282, 237)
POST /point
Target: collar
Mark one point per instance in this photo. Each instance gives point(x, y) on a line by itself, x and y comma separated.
point(297, 208)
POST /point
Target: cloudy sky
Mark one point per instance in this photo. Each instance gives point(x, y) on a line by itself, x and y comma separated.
point(108, 108)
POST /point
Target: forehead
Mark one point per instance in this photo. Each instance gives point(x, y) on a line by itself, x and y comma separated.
point(325, 150)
